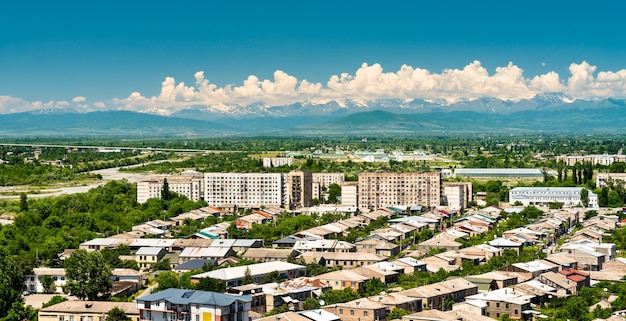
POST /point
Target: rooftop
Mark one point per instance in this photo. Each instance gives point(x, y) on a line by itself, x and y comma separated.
point(181, 296)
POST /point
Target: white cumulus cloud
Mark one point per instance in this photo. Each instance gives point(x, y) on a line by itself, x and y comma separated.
point(369, 82)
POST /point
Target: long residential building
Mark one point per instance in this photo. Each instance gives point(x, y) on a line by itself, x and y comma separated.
point(569, 196)
point(297, 189)
point(244, 189)
point(382, 189)
point(188, 183)
point(605, 159)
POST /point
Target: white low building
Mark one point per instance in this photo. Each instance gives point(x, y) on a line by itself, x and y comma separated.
point(569, 196)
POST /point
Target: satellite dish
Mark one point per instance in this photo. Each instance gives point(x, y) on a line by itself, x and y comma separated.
point(322, 302)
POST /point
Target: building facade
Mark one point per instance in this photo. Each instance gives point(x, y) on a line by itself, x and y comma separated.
point(244, 189)
point(188, 183)
point(277, 161)
point(569, 196)
point(323, 180)
point(191, 305)
point(299, 189)
point(457, 195)
point(349, 194)
point(380, 189)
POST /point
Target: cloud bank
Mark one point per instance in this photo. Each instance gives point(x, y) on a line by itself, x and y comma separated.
point(368, 83)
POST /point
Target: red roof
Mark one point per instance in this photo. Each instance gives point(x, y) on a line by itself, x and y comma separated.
point(576, 278)
point(571, 271)
point(265, 214)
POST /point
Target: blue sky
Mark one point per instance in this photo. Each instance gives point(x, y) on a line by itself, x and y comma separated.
point(98, 53)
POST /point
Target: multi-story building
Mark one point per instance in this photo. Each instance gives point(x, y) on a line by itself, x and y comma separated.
point(349, 194)
point(379, 189)
point(604, 179)
point(188, 183)
point(457, 195)
point(277, 161)
point(244, 189)
point(569, 196)
point(191, 305)
point(605, 160)
point(299, 189)
point(323, 180)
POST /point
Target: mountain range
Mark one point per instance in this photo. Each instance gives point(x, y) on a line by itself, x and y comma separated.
point(544, 113)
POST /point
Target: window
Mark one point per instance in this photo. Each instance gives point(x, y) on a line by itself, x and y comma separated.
point(340, 311)
point(516, 312)
point(351, 312)
point(498, 305)
point(365, 313)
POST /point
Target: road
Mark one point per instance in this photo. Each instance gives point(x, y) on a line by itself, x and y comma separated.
point(108, 174)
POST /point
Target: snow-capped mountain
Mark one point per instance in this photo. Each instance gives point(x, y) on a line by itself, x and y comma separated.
point(346, 107)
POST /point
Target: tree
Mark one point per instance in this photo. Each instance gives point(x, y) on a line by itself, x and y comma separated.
point(54, 300)
point(555, 205)
point(211, 284)
point(311, 303)
point(273, 276)
point(617, 167)
point(247, 276)
point(397, 313)
point(334, 192)
point(88, 275)
point(373, 286)
point(162, 265)
point(117, 314)
point(584, 197)
point(165, 191)
point(167, 279)
point(23, 202)
point(11, 281)
point(47, 282)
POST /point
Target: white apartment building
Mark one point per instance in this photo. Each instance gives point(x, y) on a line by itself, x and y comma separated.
point(192, 305)
point(188, 183)
point(33, 282)
point(605, 160)
point(381, 189)
point(349, 194)
point(321, 180)
point(277, 161)
point(569, 196)
point(244, 189)
point(457, 195)
point(603, 179)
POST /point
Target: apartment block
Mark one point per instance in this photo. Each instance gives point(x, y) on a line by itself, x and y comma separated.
point(349, 194)
point(299, 189)
point(457, 195)
point(277, 161)
point(188, 183)
point(379, 189)
point(323, 180)
point(244, 189)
